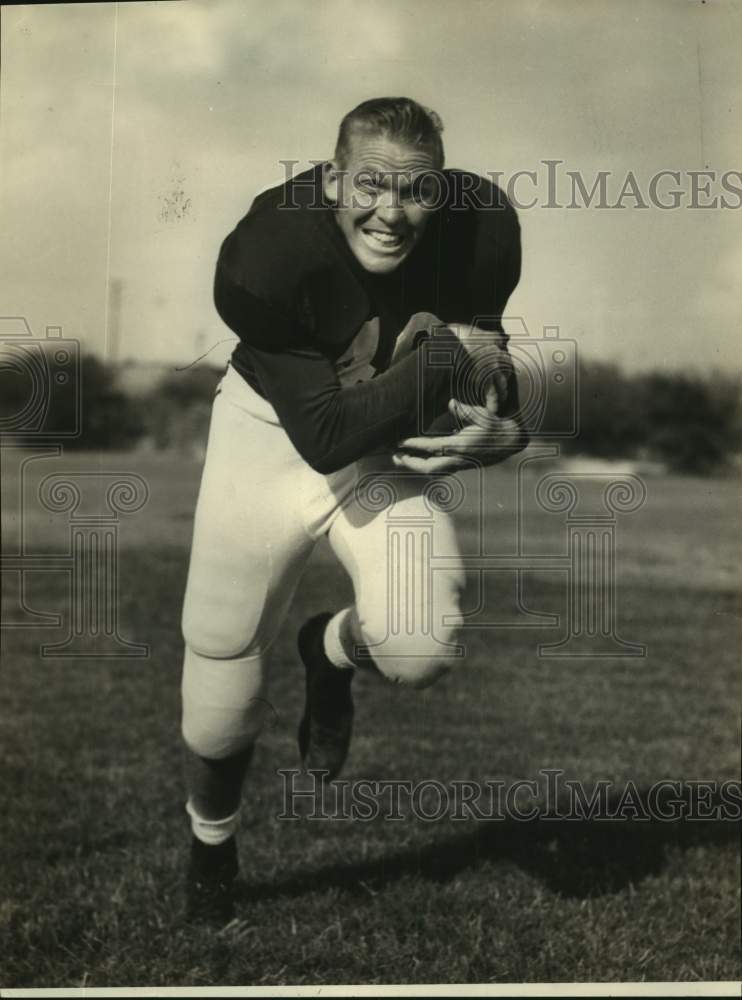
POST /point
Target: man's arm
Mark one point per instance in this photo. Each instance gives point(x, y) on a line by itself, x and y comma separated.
point(475, 435)
point(489, 433)
point(331, 425)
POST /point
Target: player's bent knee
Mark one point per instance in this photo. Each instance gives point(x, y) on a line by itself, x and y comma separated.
point(418, 660)
point(417, 674)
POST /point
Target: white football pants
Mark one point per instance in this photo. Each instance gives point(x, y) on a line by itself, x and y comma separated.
point(260, 511)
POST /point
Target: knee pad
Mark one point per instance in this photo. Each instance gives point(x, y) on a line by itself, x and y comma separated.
point(216, 630)
point(411, 644)
point(416, 659)
point(224, 708)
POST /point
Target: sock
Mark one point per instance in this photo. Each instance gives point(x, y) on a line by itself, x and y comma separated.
point(212, 832)
point(335, 648)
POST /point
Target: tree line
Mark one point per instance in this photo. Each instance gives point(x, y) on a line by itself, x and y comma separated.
point(690, 422)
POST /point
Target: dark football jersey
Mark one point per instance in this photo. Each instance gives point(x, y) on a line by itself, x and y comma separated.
point(317, 332)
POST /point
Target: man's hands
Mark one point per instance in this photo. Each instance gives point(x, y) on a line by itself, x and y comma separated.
point(486, 363)
point(483, 439)
point(484, 379)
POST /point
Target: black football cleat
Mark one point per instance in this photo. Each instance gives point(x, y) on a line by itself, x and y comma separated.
point(210, 883)
point(327, 723)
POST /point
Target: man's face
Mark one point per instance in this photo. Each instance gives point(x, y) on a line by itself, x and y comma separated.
point(380, 193)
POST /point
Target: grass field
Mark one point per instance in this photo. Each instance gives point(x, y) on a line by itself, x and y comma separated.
point(94, 836)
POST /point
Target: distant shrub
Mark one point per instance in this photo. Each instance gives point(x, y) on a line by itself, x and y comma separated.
point(108, 418)
point(692, 422)
point(177, 411)
point(610, 422)
point(192, 385)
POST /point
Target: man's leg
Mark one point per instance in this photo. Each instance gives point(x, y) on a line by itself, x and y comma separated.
point(225, 709)
point(406, 618)
point(327, 723)
point(249, 548)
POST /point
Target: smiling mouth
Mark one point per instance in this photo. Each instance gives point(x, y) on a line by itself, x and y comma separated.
point(379, 239)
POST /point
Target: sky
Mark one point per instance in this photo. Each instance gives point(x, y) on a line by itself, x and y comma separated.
point(135, 135)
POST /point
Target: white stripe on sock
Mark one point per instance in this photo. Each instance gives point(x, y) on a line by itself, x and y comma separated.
point(212, 831)
point(334, 649)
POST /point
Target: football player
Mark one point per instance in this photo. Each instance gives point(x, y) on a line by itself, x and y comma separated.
point(354, 289)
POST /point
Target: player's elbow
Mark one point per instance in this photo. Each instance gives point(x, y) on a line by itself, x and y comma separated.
point(322, 449)
point(321, 459)
point(324, 438)
point(325, 464)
